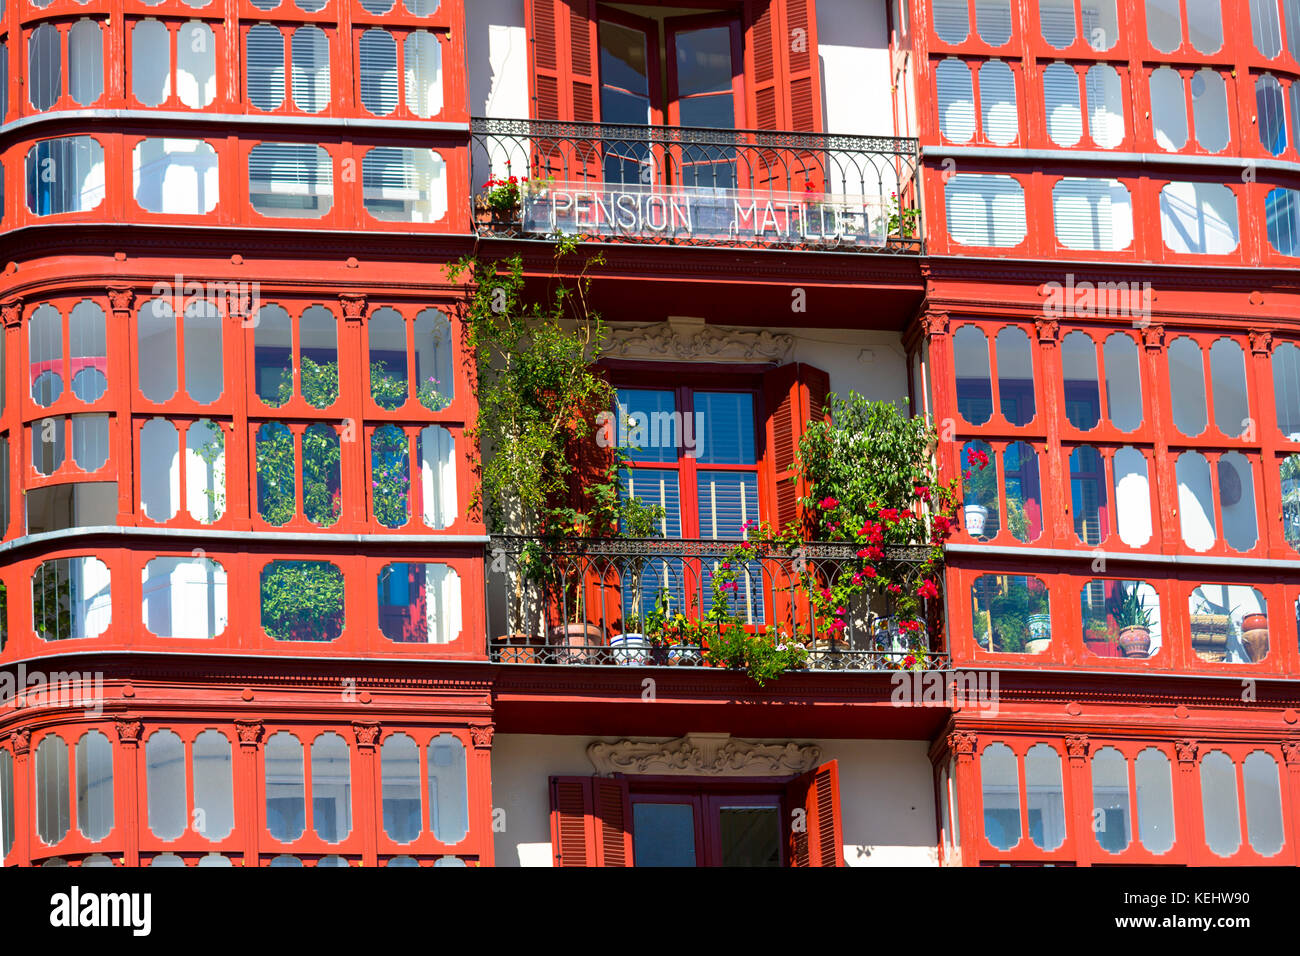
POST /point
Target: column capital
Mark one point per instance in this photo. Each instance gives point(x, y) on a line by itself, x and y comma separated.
point(963, 743)
point(11, 313)
point(128, 730)
point(249, 732)
point(354, 307)
point(20, 740)
point(934, 324)
point(1049, 330)
point(1186, 751)
point(1153, 337)
point(121, 298)
point(482, 735)
point(1077, 746)
point(367, 734)
point(1261, 343)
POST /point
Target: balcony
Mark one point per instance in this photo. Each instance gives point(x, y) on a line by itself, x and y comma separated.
point(695, 187)
point(648, 602)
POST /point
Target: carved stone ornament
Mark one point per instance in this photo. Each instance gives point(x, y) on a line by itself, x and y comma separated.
point(128, 729)
point(21, 740)
point(1261, 343)
point(683, 338)
point(1291, 752)
point(482, 734)
point(354, 307)
point(1153, 337)
point(962, 743)
point(704, 754)
point(1077, 747)
point(120, 299)
point(12, 312)
point(935, 323)
point(249, 732)
point(367, 734)
point(1186, 750)
point(1049, 330)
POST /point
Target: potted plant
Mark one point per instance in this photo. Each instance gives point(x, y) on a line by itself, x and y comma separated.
point(1254, 636)
point(1133, 618)
point(1097, 636)
point(979, 492)
point(1210, 626)
point(1038, 622)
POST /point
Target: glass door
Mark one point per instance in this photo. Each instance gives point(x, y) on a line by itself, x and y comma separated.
point(629, 94)
point(705, 89)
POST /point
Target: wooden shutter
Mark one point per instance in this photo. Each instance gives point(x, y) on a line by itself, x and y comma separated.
point(820, 841)
point(591, 821)
point(794, 394)
point(803, 78)
point(783, 89)
point(766, 102)
point(563, 84)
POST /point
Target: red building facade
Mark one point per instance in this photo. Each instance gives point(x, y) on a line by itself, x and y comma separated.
point(236, 394)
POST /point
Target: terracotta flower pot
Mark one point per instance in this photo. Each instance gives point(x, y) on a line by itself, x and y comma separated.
point(1135, 641)
point(579, 637)
point(1254, 636)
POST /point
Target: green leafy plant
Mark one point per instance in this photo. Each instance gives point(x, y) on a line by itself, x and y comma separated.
point(302, 601)
point(1129, 609)
point(902, 222)
point(387, 388)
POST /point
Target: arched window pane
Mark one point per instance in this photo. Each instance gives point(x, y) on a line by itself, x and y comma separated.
point(1286, 389)
point(88, 347)
point(387, 337)
point(6, 804)
point(45, 354)
point(319, 356)
point(1056, 19)
point(448, 789)
point(1015, 375)
point(1079, 368)
point(322, 488)
point(276, 474)
point(993, 21)
point(437, 452)
point(1110, 801)
point(184, 597)
point(151, 62)
point(1045, 797)
point(1187, 386)
point(44, 67)
point(377, 60)
point(311, 69)
point(1105, 106)
point(419, 603)
point(48, 438)
point(164, 756)
point(205, 471)
point(400, 774)
point(980, 493)
point(1164, 25)
point(1089, 506)
point(273, 355)
point(90, 441)
point(1168, 109)
point(1024, 495)
point(956, 99)
point(1237, 501)
point(1061, 101)
point(1123, 381)
point(214, 786)
point(160, 477)
point(998, 111)
point(265, 66)
point(331, 788)
point(204, 370)
point(1205, 25)
point(1263, 803)
point(1000, 780)
point(1271, 114)
point(1155, 800)
point(390, 476)
point(1196, 515)
point(974, 388)
point(156, 344)
point(1210, 110)
point(951, 20)
point(1228, 378)
point(1266, 27)
point(302, 601)
point(94, 786)
point(422, 57)
point(85, 62)
point(285, 801)
point(1219, 807)
point(196, 65)
point(53, 806)
point(435, 385)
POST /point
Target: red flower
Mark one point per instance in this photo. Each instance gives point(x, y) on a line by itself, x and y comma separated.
point(942, 524)
point(976, 456)
point(889, 515)
point(928, 589)
point(922, 492)
point(894, 589)
point(828, 503)
point(909, 661)
point(841, 611)
point(869, 571)
point(838, 625)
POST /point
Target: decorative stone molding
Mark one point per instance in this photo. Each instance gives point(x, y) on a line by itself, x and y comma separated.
point(1076, 748)
point(481, 735)
point(683, 338)
point(1153, 337)
point(935, 324)
point(703, 754)
point(367, 734)
point(354, 307)
point(1049, 331)
point(1186, 750)
point(128, 729)
point(249, 732)
point(1291, 753)
point(121, 298)
point(1261, 343)
point(962, 743)
point(12, 313)
point(20, 740)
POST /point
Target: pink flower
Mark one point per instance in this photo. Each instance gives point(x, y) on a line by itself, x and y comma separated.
point(828, 503)
point(841, 611)
point(922, 492)
point(895, 589)
point(838, 624)
point(928, 589)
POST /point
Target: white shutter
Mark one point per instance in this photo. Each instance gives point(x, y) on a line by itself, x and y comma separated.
point(422, 62)
point(952, 20)
point(1168, 109)
point(956, 98)
point(985, 210)
point(377, 54)
point(1056, 20)
point(264, 67)
point(1092, 214)
point(1061, 104)
point(993, 20)
point(311, 69)
point(290, 179)
point(998, 103)
point(1105, 106)
point(1198, 218)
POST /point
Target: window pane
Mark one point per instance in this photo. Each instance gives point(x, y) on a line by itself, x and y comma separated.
point(156, 344)
point(400, 773)
point(1168, 109)
point(204, 370)
point(404, 185)
point(1229, 623)
point(322, 481)
point(165, 774)
point(90, 441)
point(1123, 381)
point(387, 336)
point(998, 103)
point(1000, 780)
point(1228, 377)
point(993, 21)
point(1196, 515)
point(1110, 802)
point(1056, 18)
point(648, 426)
point(974, 388)
point(1210, 110)
point(1093, 214)
point(1016, 609)
point(1199, 218)
point(1219, 803)
point(311, 69)
point(273, 355)
point(276, 487)
point(1132, 496)
point(1061, 101)
point(1237, 501)
point(175, 176)
point(1100, 23)
point(1290, 474)
point(88, 347)
point(1263, 803)
point(85, 62)
point(1155, 800)
point(727, 436)
point(663, 834)
point(1024, 494)
point(265, 66)
point(45, 354)
point(331, 788)
point(985, 210)
point(422, 61)
point(1088, 504)
point(1187, 386)
point(377, 58)
point(53, 806)
point(6, 803)
point(1205, 25)
point(1105, 106)
point(956, 97)
point(319, 356)
point(448, 789)
point(1164, 25)
point(151, 62)
point(184, 597)
point(1266, 27)
point(980, 490)
point(290, 180)
point(45, 66)
point(390, 476)
point(205, 471)
point(1045, 797)
point(1079, 366)
point(1282, 208)
point(214, 790)
point(160, 489)
point(435, 382)
point(419, 603)
point(1271, 114)
point(71, 599)
point(196, 65)
point(285, 789)
point(1015, 375)
point(750, 836)
point(48, 438)
point(94, 786)
point(302, 601)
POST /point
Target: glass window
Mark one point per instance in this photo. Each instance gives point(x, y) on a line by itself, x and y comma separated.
point(993, 21)
point(1266, 27)
point(264, 66)
point(204, 371)
point(1168, 109)
point(404, 185)
point(290, 180)
point(331, 788)
point(196, 65)
point(175, 176)
point(1061, 101)
point(1056, 20)
point(1199, 218)
point(421, 8)
point(1228, 378)
point(437, 454)
point(1000, 780)
point(151, 62)
point(974, 387)
point(1290, 474)
point(276, 474)
point(448, 789)
point(6, 803)
point(1079, 367)
point(1110, 803)
point(45, 354)
point(956, 98)
point(1155, 800)
point(1092, 214)
point(1282, 215)
point(1237, 501)
point(422, 62)
point(302, 601)
point(377, 58)
point(419, 603)
point(48, 439)
point(1219, 807)
point(71, 599)
point(1015, 375)
point(435, 386)
point(285, 788)
point(311, 69)
point(1045, 797)
point(160, 480)
point(214, 785)
point(1270, 113)
point(1089, 506)
point(998, 111)
point(1164, 25)
point(205, 471)
point(985, 210)
point(1123, 381)
point(386, 332)
point(164, 756)
point(390, 474)
point(400, 781)
point(53, 806)
point(318, 356)
point(88, 347)
point(90, 442)
point(980, 490)
point(1105, 105)
point(1024, 496)
point(1187, 386)
point(156, 349)
point(322, 481)
point(1263, 803)
point(1205, 25)
point(1229, 623)
point(65, 175)
point(1210, 110)
point(1100, 23)
point(184, 597)
point(1015, 609)
point(1120, 618)
point(952, 20)
point(85, 62)
point(44, 67)
point(273, 355)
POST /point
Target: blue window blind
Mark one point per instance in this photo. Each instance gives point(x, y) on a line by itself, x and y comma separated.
point(727, 436)
point(648, 424)
point(655, 486)
point(727, 499)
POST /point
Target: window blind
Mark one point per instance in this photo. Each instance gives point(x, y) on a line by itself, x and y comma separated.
point(1105, 106)
point(398, 184)
point(993, 20)
point(1061, 104)
point(264, 67)
point(1056, 20)
point(984, 210)
point(377, 55)
point(956, 100)
point(1094, 214)
point(998, 103)
point(951, 20)
point(290, 179)
point(311, 69)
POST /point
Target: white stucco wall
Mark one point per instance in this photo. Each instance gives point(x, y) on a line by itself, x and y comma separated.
point(498, 58)
point(886, 797)
point(853, 45)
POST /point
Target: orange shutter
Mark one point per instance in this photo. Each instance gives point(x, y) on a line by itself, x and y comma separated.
point(820, 841)
point(784, 88)
point(590, 821)
point(766, 102)
point(794, 395)
point(563, 83)
point(803, 78)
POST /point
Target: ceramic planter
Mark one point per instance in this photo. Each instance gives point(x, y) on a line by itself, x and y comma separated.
point(685, 654)
point(631, 649)
point(1254, 636)
point(577, 638)
point(1135, 641)
point(1038, 645)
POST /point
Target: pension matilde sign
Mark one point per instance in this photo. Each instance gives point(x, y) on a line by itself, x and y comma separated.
point(685, 213)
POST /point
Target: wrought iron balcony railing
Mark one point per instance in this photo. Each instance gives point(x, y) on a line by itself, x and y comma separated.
point(662, 184)
point(592, 601)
